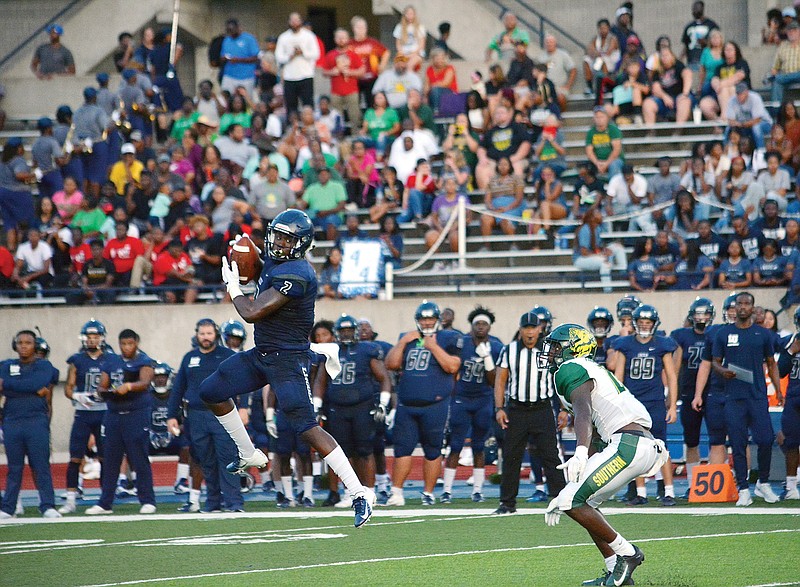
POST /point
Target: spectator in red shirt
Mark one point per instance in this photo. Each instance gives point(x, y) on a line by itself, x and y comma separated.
point(174, 267)
point(373, 53)
point(345, 68)
point(440, 78)
point(154, 243)
point(6, 268)
point(419, 193)
point(80, 251)
point(122, 251)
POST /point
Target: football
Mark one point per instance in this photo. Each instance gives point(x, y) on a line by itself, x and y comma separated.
point(248, 258)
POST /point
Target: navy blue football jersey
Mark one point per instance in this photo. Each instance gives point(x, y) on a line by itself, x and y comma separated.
point(644, 363)
point(21, 383)
point(422, 379)
point(122, 370)
point(355, 383)
point(159, 408)
point(87, 375)
point(692, 345)
point(601, 354)
point(714, 380)
point(289, 327)
point(790, 365)
point(472, 380)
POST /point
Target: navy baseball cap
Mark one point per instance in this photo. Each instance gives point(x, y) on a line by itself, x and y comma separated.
point(528, 319)
point(14, 142)
point(89, 92)
point(64, 110)
point(101, 77)
point(44, 122)
point(127, 74)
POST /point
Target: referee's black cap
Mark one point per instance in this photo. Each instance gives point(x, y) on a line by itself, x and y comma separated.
point(528, 319)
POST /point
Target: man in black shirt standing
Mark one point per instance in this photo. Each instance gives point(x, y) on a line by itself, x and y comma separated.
point(505, 139)
point(97, 277)
point(695, 35)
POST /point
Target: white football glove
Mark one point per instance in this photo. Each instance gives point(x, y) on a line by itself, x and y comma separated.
point(484, 351)
point(320, 415)
point(575, 466)
point(83, 399)
point(230, 275)
point(272, 426)
point(552, 515)
point(390, 419)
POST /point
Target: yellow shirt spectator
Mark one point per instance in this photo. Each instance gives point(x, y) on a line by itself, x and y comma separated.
point(126, 170)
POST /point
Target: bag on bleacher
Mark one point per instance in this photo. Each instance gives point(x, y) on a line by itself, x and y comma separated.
point(622, 95)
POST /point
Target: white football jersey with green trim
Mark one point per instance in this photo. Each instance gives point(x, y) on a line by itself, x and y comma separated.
point(613, 406)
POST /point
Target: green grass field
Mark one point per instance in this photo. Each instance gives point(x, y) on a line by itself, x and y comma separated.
point(684, 547)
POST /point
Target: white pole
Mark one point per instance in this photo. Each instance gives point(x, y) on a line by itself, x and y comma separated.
point(462, 234)
point(389, 274)
point(173, 44)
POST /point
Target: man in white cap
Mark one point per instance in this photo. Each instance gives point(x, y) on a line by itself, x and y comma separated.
point(127, 170)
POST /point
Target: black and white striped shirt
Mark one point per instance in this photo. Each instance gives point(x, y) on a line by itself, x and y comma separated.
point(526, 382)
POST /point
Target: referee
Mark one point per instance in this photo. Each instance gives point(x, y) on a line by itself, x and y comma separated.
point(523, 399)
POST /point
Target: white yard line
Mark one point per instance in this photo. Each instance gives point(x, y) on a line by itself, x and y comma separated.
point(428, 556)
point(387, 512)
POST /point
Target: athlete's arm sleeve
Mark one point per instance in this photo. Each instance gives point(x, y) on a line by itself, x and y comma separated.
point(570, 377)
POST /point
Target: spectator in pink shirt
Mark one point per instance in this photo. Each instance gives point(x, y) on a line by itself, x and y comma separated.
point(68, 201)
point(362, 177)
point(180, 165)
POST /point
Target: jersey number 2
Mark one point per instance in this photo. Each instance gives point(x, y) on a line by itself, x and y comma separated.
point(287, 285)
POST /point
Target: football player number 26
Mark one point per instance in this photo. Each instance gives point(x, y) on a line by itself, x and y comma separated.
point(418, 359)
point(709, 482)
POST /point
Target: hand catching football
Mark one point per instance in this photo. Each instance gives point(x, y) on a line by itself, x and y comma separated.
point(247, 256)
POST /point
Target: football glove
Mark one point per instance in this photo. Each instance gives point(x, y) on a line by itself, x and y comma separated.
point(230, 275)
point(84, 399)
point(390, 419)
point(317, 401)
point(484, 351)
point(575, 466)
point(272, 425)
point(379, 414)
point(552, 515)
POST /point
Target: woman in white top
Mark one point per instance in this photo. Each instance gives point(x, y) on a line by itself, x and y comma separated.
point(410, 38)
point(602, 55)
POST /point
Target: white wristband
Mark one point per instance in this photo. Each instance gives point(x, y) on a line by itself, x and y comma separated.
point(234, 290)
point(270, 414)
point(386, 397)
point(317, 401)
point(582, 452)
point(488, 363)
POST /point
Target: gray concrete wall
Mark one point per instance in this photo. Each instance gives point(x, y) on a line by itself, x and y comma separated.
point(166, 330)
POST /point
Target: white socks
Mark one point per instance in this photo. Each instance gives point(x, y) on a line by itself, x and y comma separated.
point(183, 472)
point(791, 483)
point(449, 477)
point(71, 495)
point(398, 491)
point(611, 562)
point(690, 471)
point(669, 490)
point(233, 424)
point(478, 477)
point(194, 496)
point(382, 482)
point(308, 487)
point(287, 487)
point(641, 491)
point(621, 546)
point(337, 461)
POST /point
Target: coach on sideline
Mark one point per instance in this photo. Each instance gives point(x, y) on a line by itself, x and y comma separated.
point(527, 413)
point(211, 446)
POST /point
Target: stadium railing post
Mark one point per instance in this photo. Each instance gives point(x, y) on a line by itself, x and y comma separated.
point(462, 235)
point(389, 287)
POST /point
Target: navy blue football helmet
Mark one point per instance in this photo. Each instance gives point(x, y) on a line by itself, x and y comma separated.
point(627, 305)
point(600, 313)
point(428, 310)
point(701, 313)
point(93, 327)
point(730, 302)
point(295, 224)
point(646, 312)
point(345, 322)
point(162, 379)
point(41, 347)
point(233, 328)
point(545, 318)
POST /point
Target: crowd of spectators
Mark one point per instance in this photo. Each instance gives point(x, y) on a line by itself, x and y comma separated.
point(161, 181)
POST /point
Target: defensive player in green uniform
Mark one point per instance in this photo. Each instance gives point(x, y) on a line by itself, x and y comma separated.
point(603, 410)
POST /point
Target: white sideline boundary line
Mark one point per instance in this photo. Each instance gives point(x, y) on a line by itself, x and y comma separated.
point(381, 512)
point(435, 555)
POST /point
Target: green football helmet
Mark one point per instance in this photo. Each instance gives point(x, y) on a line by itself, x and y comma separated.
point(567, 341)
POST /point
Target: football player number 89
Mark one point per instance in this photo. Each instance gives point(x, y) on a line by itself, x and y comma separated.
point(287, 285)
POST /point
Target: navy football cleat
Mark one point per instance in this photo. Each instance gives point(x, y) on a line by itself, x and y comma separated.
point(362, 506)
point(446, 497)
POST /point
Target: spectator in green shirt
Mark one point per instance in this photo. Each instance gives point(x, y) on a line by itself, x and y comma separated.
point(325, 202)
point(89, 218)
point(188, 116)
point(381, 123)
point(604, 144)
point(503, 43)
point(417, 112)
point(238, 113)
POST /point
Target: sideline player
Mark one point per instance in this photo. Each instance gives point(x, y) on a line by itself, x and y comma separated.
point(283, 313)
point(709, 394)
point(428, 358)
point(83, 377)
point(625, 307)
point(688, 356)
point(640, 361)
point(349, 399)
point(472, 407)
point(789, 436)
point(603, 408)
point(600, 322)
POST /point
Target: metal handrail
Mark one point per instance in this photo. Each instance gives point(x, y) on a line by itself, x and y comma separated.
point(38, 31)
point(542, 21)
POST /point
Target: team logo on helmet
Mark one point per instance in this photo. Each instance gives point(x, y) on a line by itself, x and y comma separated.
point(581, 342)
